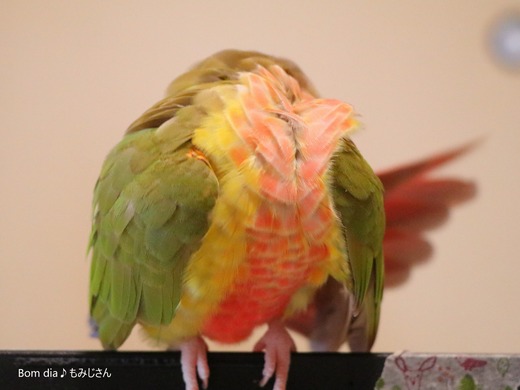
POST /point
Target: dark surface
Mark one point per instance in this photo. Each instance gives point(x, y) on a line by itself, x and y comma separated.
point(161, 370)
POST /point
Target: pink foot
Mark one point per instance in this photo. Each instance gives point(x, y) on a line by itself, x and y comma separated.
point(277, 345)
point(194, 360)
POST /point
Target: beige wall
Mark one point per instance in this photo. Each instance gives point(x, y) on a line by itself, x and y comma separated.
point(74, 74)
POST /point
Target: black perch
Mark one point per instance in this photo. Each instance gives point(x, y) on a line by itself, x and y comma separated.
point(162, 370)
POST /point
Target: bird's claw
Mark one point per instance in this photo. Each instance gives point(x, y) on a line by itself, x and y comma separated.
point(194, 360)
point(277, 345)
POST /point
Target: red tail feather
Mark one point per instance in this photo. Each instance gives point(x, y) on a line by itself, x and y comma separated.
point(394, 177)
point(415, 203)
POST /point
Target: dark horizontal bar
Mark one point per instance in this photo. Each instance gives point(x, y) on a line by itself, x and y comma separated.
point(157, 370)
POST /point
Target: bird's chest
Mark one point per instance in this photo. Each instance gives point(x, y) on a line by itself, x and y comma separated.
point(287, 249)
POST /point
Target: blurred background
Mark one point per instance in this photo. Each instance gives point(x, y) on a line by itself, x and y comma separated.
point(424, 75)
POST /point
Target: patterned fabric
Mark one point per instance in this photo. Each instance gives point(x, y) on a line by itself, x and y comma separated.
point(412, 371)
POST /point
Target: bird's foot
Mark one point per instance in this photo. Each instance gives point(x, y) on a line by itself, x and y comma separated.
point(194, 360)
point(277, 345)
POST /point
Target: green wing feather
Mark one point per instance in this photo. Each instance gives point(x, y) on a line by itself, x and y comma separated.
point(358, 198)
point(151, 209)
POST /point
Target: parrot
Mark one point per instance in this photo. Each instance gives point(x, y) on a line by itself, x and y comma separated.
point(239, 200)
point(226, 206)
